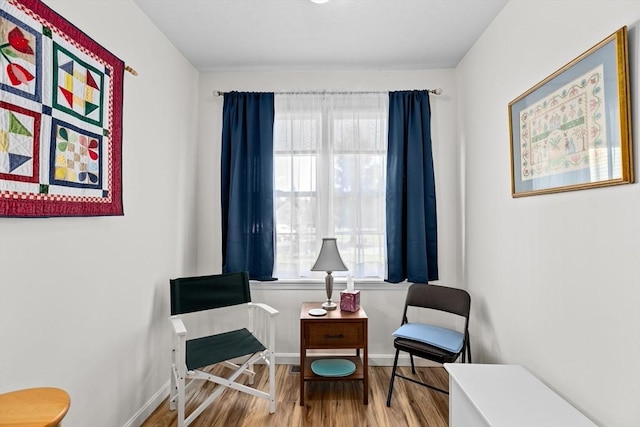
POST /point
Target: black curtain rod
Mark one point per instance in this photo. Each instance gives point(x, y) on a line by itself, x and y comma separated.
point(437, 91)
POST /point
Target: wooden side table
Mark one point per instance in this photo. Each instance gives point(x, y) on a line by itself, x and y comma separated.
point(44, 406)
point(335, 330)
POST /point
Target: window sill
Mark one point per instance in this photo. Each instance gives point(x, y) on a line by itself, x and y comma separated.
point(338, 285)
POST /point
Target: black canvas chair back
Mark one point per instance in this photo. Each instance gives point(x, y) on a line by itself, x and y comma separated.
point(191, 294)
point(439, 298)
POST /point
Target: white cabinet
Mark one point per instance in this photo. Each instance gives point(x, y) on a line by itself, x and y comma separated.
point(505, 396)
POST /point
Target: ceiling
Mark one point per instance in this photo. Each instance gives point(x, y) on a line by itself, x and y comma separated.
point(340, 34)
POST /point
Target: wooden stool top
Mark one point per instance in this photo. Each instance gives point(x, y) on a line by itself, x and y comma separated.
point(42, 407)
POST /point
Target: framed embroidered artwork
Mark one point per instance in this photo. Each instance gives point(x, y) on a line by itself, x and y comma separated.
point(573, 130)
point(60, 117)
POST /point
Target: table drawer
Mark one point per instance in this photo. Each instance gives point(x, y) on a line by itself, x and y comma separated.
point(334, 334)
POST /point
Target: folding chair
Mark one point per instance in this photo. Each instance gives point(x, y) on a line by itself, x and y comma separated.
point(207, 293)
point(431, 342)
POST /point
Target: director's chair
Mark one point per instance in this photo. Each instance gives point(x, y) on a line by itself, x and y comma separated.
point(208, 293)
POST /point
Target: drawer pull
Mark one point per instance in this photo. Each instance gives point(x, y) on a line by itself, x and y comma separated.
point(334, 336)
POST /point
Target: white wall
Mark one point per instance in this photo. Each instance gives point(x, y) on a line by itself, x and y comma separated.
point(558, 297)
point(384, 304)
point(83, 301)
point(555, 279)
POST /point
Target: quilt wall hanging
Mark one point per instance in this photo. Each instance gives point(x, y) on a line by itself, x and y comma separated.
point(60, 117)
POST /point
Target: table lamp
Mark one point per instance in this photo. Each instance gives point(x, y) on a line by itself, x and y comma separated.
point(329, 260)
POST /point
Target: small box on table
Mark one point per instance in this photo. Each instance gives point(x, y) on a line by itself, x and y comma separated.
point(350, 301)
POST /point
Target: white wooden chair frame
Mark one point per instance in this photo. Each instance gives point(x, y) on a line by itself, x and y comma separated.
point(262, 326)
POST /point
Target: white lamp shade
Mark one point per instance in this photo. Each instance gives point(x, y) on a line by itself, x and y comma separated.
point(329, 258)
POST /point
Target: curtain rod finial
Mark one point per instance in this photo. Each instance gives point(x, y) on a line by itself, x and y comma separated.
point(437, 91)
point(130, 69)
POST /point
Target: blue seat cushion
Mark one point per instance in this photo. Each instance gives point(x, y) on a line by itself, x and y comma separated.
point(436, 336)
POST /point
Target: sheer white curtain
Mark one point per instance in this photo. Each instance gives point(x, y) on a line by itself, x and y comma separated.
point(329, 167)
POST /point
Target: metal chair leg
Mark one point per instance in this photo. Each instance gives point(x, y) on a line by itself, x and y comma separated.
point(469, 349)
point(393, 376)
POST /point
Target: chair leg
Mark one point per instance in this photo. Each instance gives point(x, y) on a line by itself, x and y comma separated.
point(469, 349)
point(393, 377)
point(181, 405)
point(272, 383)
point(251, 377)
point(413, 366)
point(172, 391)
point(179, 378)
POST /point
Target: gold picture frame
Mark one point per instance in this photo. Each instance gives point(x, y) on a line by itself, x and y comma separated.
point(572, 130)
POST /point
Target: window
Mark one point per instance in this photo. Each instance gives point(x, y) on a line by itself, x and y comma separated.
point(329, 167)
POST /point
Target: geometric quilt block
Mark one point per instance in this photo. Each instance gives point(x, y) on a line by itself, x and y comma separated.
point(20, 59)
point(77, 86)
point(19, 143)
point(75, 156)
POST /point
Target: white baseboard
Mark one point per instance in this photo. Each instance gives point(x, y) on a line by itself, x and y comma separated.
point(148, 408)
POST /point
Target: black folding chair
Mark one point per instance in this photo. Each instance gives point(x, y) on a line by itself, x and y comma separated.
point(441, 345)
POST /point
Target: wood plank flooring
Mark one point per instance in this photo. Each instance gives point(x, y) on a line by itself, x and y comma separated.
point(327, 403)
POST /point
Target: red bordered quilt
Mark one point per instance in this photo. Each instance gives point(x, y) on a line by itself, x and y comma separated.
point(60, 117)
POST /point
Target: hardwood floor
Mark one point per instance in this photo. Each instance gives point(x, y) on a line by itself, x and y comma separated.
point(327, 404)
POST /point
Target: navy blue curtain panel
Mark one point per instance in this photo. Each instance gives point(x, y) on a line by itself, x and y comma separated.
point(248, 242)
point(412, 232)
